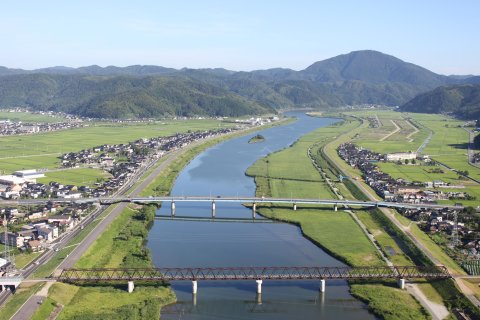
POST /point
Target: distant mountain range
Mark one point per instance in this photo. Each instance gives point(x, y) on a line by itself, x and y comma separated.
point(151, 91)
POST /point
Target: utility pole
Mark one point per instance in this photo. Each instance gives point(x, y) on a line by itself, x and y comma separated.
point(7, 253)
point(454, 239)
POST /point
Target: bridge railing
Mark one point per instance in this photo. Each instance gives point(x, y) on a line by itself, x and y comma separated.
point(252, 273)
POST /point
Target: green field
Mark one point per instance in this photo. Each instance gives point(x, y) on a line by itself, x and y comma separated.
point(121, 245)
point(77, 176)
point(323, 226)
point(380, 140)
point(421, 173)
point(404, 306)
point(29, 117)
point(290, 172)
point(42, 150)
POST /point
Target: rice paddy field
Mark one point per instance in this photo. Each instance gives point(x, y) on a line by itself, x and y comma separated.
point(396, 132)
point(448, 145)
point(30, 117)
point(77, 176)
point(42, 150)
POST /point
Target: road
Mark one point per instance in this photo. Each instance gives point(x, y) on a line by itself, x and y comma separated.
point(471, 147)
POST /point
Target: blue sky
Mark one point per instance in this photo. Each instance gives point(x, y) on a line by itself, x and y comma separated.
point(238, 35)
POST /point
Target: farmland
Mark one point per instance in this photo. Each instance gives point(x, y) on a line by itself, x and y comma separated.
point(77, 176)
point(42, 150)
point(30, 117)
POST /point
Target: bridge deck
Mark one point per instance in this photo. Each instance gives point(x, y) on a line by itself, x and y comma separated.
point(249, 273)
point(257, 200)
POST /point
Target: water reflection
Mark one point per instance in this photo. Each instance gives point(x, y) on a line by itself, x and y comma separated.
point(221, 171)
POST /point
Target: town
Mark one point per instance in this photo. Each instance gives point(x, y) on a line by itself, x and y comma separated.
point(456, 230)
point(33, 228)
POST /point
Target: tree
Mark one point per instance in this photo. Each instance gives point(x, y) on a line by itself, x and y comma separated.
point(414, 161)
point(406, 161)
point(476, 141)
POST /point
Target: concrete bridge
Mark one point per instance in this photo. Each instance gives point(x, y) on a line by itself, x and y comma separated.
point(10, 282)
point(401, 273)
point(252, 201)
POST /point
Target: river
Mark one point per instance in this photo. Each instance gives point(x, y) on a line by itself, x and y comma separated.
point(218, 171)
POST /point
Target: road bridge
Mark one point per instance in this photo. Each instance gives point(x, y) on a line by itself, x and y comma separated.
point(401, 273)
point(252, 201)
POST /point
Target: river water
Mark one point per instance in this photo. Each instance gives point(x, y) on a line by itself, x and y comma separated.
point(219, 171)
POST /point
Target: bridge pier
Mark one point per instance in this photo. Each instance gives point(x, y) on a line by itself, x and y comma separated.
point(213, 209)
point(401, 283)
point(172, 207)
point(258, 298)
point(194, 287)
point(254, 210)
point(194, 299)
point(322, 285)
point(259, 286)
point(294, 207)
point(131, 286)
point(335, 207)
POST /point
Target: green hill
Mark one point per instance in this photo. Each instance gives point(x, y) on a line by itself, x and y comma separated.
point(123, 96)
point(461, 100)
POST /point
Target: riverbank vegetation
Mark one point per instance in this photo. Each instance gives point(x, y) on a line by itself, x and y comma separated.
point(163, 183)
point(380, 302)
point(256, 139)
point(120, 246)
point(323, 226)
point(386, 233)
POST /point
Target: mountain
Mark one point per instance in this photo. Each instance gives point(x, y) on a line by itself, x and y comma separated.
point(355, 78)
point(461, 100)
point(123, 96)
point(372, 67)
point(472, 80)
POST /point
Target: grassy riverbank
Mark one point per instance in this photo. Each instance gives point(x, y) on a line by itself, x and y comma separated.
point(386, 233)
point(290, 172)
point(120, 246)
point(163, 183)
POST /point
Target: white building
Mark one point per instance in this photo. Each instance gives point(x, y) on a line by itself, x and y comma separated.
point(30, 175)
point(401, 156)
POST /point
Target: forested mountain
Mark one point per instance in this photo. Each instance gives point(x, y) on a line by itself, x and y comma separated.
point(461, 100)
point(123, 96)
point(149, 91)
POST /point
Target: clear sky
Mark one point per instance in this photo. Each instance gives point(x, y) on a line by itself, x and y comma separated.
point(442, 36)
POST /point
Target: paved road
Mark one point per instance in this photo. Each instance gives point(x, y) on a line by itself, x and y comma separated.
point(28, 309)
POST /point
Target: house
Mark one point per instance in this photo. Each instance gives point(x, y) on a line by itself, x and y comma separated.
point(61, 220)
point(47, 232)
point(37, 215)
point(35, 245)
